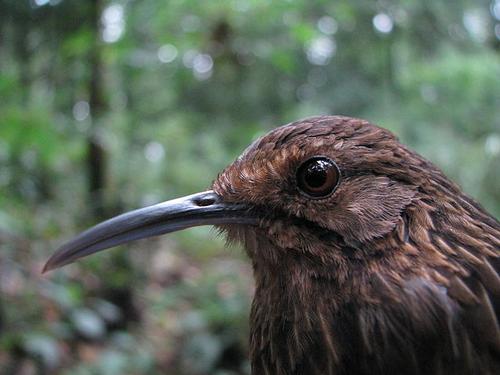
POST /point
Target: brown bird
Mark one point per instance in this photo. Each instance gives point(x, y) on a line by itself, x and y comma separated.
point(367, 259)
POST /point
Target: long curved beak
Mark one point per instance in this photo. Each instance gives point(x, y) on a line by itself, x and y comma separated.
point(206, 208)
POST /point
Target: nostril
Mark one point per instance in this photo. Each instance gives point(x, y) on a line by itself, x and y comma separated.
point(206, 201)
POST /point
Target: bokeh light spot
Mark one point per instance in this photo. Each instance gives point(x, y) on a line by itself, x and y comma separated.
point(202, 66)
point(41, 3)
point(81, 110)
point(383, 23)
point(321, 50)
point(495, 9)
point(154, 152)
point(113, 23)
point(475, 22)
point(327, 25)
point(167, 53)
point(492, 144)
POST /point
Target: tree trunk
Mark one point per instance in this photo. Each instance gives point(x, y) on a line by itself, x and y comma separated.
point(96, 157)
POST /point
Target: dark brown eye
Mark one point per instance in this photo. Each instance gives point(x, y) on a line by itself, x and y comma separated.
point(318, 177)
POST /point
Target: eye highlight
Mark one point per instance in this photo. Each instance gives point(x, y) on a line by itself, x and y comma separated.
point(317, 177)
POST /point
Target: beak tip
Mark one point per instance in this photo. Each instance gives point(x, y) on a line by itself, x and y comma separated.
point(47, 267)
point(51, 265)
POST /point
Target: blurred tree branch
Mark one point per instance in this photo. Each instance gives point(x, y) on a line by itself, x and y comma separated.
point(96, 156)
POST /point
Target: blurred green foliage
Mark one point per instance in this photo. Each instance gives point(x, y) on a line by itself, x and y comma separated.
point(171, 92)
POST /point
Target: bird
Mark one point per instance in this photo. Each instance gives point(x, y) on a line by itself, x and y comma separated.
point(367, 259)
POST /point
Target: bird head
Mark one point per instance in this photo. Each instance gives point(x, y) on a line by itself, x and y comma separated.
point(332, 181)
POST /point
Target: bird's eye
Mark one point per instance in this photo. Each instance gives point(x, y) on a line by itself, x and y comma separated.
point(318, 177)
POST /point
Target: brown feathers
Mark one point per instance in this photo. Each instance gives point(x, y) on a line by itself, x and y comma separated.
point(395, 272)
